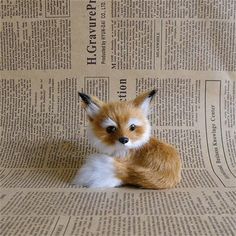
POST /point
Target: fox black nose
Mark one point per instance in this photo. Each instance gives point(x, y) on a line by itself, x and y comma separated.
point(123, 140)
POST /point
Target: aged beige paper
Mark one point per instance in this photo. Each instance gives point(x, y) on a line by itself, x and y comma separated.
point(115, 49)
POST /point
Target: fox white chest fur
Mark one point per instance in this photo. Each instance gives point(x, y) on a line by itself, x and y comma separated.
point(128, 154)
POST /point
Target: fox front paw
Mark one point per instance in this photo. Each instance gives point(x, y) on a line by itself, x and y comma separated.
point(97, 172)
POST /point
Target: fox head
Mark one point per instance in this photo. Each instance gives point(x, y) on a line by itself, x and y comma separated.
point(117, 127)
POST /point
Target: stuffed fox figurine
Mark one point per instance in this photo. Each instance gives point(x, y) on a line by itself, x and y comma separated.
point(127, 154)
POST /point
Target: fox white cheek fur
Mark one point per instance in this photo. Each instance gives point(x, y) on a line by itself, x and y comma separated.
point(114, 150)
point(128, 154)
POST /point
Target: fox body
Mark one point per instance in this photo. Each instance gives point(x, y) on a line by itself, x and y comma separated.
point(128, 154)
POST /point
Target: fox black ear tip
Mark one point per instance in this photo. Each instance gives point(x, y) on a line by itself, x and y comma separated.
point(82, 94)
point(152, 93)
point(85, 97)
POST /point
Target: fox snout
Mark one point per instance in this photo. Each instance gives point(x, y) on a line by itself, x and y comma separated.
point(123, 140)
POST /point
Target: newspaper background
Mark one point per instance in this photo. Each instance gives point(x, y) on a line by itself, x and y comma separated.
point(115, 49)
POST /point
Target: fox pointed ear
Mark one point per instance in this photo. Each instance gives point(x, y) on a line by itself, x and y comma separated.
point(92, 104)
point(143, 101)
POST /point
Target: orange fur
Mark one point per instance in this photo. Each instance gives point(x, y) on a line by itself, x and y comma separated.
point(154, 164)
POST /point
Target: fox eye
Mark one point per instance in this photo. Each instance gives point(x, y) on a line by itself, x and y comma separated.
point(132, 127)
point(111, 129)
